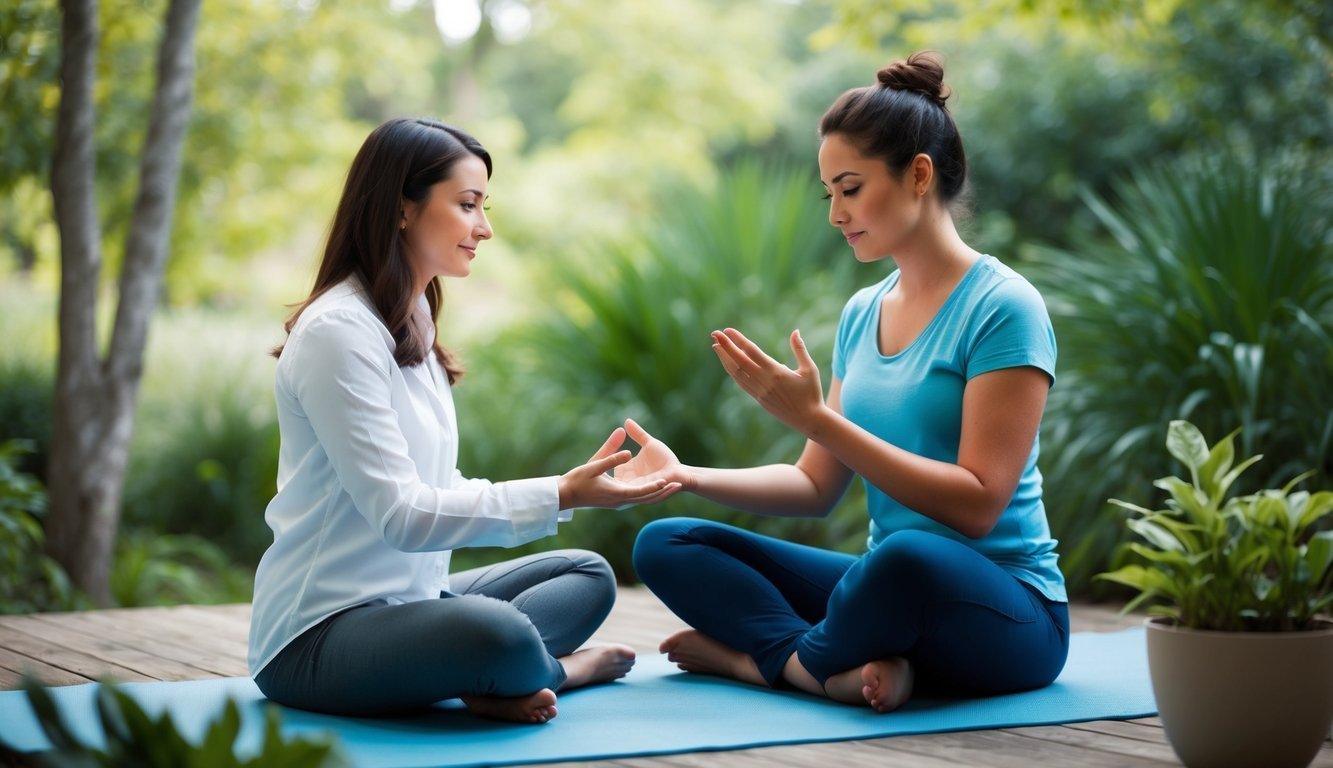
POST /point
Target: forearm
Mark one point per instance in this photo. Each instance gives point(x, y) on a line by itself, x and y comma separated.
point(780, 490)
point(948, 493)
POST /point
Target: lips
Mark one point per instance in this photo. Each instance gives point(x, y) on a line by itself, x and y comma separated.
point(471, 252)
point(852, 237)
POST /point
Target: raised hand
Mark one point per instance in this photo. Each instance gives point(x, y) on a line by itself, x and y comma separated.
point(589, 485)
point(796, 397)
point(655, 460)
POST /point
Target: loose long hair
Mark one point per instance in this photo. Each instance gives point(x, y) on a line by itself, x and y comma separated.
point(900, 116)
point(400, 160)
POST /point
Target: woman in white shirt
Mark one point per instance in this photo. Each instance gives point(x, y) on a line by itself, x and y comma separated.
point(354, 609)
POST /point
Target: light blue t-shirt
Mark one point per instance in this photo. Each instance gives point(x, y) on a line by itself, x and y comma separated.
point(994, 319)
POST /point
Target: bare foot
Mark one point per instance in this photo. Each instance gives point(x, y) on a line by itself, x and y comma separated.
point(693, 651)
point(598, 664)
point(534, 708)
point(884, 684)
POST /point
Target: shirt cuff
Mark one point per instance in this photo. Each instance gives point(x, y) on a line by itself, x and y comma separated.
point(534, 506)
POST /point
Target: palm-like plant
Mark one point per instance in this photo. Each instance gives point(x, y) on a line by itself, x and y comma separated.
point(629, 337)
point(1212, 302)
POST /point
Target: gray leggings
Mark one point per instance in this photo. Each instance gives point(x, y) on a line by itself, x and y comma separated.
point(498, 632)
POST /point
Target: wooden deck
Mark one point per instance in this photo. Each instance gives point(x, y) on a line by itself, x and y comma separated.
point(193, 642)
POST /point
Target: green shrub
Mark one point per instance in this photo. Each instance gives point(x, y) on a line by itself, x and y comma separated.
point(1213, 303)
point(206, 465)
point(155, 569)
point(27, 391)
point(628, 336)
point(29, 580)
point(135, 738)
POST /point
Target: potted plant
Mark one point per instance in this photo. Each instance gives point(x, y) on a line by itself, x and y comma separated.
point(1241, 664)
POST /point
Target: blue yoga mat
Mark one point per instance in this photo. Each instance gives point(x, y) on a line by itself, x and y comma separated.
point(655, 710)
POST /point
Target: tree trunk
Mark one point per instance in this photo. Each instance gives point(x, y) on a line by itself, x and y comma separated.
point(95, 398)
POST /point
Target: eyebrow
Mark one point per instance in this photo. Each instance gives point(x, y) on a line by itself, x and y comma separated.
point(839, 178)
point(473, 192)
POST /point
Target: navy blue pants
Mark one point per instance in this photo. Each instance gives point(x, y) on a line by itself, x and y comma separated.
point(962, 621)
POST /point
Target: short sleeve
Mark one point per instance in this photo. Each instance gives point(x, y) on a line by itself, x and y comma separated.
point(1011, 329)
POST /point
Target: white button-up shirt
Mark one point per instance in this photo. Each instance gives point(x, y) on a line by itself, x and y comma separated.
point(370, 500)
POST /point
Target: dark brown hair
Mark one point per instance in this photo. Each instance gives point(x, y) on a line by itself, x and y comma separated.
point(903, 115)
point(400, 160)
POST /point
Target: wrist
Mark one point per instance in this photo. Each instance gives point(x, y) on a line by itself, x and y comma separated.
point(562, 489)
point(817, 425)
point(689, 478)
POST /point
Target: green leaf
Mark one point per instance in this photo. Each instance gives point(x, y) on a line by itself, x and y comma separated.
point(220, 739)
point(49, 718)
point(1217, 466)
point(1186, 443)
point(1316, 508)
point(1188, 499)
point(1156, 535)
point(1319, 555)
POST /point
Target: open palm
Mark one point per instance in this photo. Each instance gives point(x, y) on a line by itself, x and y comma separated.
point(655, 459)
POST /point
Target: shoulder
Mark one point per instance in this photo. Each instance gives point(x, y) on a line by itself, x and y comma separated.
point(999, 288)
point(340, 322)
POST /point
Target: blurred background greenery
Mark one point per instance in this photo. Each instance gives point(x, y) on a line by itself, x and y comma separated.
point(1161, 170)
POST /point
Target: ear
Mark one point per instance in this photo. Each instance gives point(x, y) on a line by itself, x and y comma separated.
point(407, 212)
point(921, 174)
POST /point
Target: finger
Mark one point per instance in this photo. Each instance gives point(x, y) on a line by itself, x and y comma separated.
point(613, 442)
point(803, 360)
point(729, 364)
point(751, 350)
point(606, 464)
point(653, 494)
point(741, 362)
point(666, 492)
point(637, 433)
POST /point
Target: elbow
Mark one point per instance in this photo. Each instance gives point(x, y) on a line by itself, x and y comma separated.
point(398, 532)
point(981, 518)
point(979, 525)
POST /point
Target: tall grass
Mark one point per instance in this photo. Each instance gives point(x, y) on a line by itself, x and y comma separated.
point(627, 335)
point(1212, 302)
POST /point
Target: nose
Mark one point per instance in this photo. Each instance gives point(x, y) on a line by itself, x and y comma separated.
point(483, 230)
point(836, 215)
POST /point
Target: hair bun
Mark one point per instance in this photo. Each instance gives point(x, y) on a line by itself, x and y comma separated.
point(921, 73)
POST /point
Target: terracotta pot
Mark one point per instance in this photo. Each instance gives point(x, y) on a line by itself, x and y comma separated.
point(1242, 699)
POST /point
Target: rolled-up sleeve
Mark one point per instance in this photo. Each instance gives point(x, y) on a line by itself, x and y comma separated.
point(340, 370)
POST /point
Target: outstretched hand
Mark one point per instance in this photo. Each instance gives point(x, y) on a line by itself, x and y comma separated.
point(796, 397)
point(589, 485)
point(655, 460)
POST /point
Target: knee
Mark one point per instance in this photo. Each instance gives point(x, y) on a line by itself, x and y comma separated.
point(496, 630)
point(906, 557)
point(653, 546)
point(599, 578)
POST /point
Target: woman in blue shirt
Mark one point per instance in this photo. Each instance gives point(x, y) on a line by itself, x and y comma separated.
point(355, 611)
point(940, 376)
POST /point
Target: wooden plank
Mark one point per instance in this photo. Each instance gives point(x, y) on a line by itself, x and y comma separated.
point(63, 631)
point(167, 625)
point(17, 664)
point(1000, 749)
point(85, 665)
point(1105, 742)
point(166, 643)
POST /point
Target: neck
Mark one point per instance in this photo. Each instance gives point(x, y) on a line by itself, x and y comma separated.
point(935, 255)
